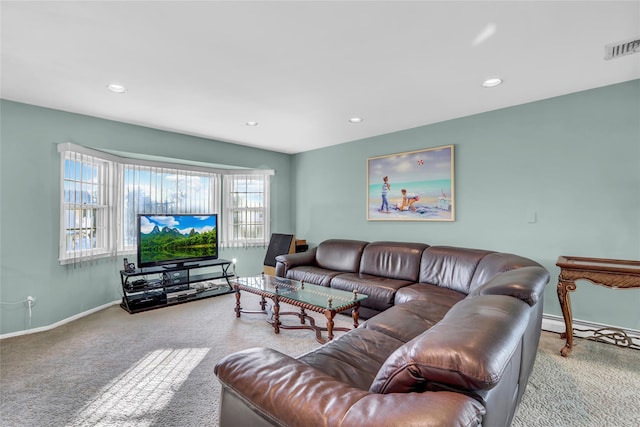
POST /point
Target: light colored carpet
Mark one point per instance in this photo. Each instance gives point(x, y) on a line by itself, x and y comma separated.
point(597, 385)
point(156, 369)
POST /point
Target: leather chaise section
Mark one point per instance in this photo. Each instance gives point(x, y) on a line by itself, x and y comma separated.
point(469, 349)
point(354, 358)
point(408, 320)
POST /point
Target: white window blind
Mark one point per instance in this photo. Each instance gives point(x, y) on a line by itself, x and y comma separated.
point(150, 189)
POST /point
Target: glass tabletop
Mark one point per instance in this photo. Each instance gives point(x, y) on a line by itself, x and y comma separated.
point(319, 296)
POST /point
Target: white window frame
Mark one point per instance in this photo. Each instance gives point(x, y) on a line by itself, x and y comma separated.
point(90, 214)
point(246, 210)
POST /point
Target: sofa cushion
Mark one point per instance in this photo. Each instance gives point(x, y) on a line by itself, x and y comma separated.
point(408, 320)
point(423, 291)
point(340, 255)
point(394, 260)
point(468, 349)
point(450, 267)
point(380, 291)
point(354, 358)
point(312, 274)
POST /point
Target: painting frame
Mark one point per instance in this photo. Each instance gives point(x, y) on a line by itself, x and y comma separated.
point(419, 185)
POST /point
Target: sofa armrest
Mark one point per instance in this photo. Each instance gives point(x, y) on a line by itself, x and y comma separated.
point(526, 284)
point(286, 262)
point(285, 391)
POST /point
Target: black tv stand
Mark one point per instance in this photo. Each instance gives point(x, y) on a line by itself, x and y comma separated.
point(180, 266)
point(155, 287)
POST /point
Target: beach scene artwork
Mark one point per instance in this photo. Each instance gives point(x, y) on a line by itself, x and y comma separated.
point(412, 186)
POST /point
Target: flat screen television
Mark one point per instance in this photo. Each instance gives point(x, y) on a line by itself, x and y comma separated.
point(176, 239)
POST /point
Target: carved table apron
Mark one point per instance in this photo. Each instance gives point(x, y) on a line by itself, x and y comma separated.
point(611, 273)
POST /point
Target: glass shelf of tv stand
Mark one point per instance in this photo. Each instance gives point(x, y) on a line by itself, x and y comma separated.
point(148, 288)
point(171, 267)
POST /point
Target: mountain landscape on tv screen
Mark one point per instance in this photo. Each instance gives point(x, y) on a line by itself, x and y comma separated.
point(166, 244)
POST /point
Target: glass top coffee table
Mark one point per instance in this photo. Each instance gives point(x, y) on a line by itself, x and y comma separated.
point(306, 296)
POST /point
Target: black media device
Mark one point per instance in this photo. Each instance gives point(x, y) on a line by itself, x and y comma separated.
point(129, 267)
point(172, 240)
point(175, 277)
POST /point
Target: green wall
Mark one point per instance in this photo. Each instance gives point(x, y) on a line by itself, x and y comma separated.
point(30, 207)
point(574, 160)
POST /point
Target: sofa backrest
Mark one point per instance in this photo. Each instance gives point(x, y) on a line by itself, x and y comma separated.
point(495, 263)
point(340, 254)
point(393, 260)
point(450, 267)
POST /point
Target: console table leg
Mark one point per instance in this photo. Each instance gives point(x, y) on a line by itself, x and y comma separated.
point(564, 287)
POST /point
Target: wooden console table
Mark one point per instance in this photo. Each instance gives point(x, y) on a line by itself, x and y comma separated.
point(611, 273)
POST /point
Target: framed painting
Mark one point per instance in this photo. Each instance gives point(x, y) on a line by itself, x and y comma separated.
point(412, 186)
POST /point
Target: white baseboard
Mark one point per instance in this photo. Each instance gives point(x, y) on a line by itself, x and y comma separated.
point(550, 322)
point(553, 323)
point(60, 323)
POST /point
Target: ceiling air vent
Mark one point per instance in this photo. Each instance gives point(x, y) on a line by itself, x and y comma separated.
point(626, 47)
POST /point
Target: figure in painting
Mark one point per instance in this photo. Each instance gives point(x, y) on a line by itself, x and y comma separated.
point(386, 187)
point(408, 201)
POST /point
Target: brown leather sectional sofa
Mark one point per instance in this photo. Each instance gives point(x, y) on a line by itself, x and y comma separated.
point(450, 340)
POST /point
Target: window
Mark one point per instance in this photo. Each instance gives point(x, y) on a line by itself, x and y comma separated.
point(246, 219)
point(85, 209)
point(102, 194)
point(149, 189)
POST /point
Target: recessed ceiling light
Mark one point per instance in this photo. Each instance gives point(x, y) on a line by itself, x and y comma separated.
point(116, 88)
point(355, 119)
point(493, 82)
point(252, 124)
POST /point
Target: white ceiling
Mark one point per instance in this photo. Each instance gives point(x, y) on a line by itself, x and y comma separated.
point(303, 68)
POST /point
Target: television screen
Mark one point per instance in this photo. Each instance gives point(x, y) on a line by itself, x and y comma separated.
point(176, 239)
